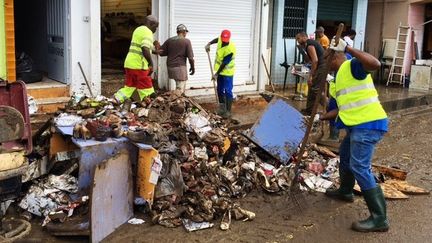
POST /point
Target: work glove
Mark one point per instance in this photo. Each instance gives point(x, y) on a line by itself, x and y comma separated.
point(317, 118)
point(191, 71)
point(207, 47)
point(341, 46)
point(215, 76)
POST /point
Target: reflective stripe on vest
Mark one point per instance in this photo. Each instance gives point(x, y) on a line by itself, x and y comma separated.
point(355, 88)
point(221, 53)
point(357, 100)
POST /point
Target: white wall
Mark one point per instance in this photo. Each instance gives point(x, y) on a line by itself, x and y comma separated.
point(85, 45)
point(359, 22)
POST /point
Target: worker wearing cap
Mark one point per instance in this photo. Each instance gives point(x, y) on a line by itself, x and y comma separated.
point(322, 38)
point(361, 114)
point(225, 69)
point(138, 63)
point(178, 48)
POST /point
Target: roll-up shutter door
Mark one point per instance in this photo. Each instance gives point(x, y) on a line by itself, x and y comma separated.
point(336, 10)
point(205, 21)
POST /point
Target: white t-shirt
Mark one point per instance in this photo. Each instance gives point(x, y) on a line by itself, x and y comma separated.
point(348, 40)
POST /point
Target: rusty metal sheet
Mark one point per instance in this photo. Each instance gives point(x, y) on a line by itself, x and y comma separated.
point(111, 202)
point(279, 131)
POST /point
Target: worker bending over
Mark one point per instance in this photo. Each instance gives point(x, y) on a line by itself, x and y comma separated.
point(361, 114)
point(225, 69)
point(138, 63)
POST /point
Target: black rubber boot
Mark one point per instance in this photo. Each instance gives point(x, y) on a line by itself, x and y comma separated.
point(222, 106)
point(377, 221)
point(228, 103)
point(345, 191)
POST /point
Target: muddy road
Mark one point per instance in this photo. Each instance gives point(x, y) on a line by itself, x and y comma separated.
point(408, 145)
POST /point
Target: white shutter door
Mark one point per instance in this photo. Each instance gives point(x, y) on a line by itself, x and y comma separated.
point(205, 21)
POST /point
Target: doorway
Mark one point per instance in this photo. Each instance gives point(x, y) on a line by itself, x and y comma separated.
point(42, 37)
point(427, 38)
point(333, 12)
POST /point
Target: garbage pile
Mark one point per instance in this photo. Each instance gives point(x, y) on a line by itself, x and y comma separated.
point(205, 167)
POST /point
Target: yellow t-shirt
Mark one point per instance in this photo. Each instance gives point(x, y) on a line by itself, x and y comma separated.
point(324, 41)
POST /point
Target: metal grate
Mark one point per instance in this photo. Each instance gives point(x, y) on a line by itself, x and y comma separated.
point(295, 17)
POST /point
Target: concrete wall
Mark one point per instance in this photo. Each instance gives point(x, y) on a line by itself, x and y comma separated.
point(416, 17)
point(383, 21)
point(85, 45)
point(2, 42)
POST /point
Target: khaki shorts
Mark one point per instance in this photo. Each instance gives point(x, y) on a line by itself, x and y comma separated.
point(178, 73)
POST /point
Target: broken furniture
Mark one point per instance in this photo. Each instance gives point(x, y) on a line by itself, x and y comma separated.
point(15, 139)
point(279, 131)
point(421, 76)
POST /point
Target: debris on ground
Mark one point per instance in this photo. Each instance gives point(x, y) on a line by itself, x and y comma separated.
point(203, 168)
point(136, 221)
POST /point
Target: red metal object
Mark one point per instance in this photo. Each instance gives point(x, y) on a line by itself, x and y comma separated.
point(15, 95)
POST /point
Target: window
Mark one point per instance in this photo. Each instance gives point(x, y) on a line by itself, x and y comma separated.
point(295, 16)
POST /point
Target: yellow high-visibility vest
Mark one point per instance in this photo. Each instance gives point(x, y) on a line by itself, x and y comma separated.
point(221, 53)
point(141, 37)
point(357, 100)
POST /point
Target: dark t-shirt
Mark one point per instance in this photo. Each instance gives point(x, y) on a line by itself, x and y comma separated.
point(177, 49)
point(318, 48)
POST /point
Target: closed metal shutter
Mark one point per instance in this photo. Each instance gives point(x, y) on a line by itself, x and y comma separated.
point(335, 10)
point(205, 21)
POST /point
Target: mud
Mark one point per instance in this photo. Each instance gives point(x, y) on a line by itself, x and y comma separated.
point(407, 146)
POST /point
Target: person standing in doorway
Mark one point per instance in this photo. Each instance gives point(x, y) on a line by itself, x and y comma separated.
point(138, 64)
point(225, 69)
point(322, 38)
point(315, 54)
point(177, 49)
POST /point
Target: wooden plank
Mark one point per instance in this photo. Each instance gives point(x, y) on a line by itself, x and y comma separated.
point(406, 188)
point(391, 172)
point(390, 192)
point(111, 201)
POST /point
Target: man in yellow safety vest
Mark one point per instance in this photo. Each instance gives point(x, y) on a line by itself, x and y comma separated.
point(225, 69)
point(361, 114)
point(138, 63)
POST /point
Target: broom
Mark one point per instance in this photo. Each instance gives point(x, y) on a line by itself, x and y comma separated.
point(295, 192)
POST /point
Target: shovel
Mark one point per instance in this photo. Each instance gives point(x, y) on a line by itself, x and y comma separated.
point(212, 73)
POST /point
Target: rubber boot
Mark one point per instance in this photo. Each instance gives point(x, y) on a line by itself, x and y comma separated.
point(222, 106)
point(377, 221)
point(345, 191)
point(229, 102)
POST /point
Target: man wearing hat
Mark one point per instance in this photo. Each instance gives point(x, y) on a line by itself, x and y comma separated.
point(177, 49)
point(225, 69)
point(322, 38)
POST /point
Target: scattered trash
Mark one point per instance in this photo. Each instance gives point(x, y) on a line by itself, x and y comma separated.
point(136, 221)
point(193, 226)
point(32, 105)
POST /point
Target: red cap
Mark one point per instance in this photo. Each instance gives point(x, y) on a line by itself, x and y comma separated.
point(225, 35)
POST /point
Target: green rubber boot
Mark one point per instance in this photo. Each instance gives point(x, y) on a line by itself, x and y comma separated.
point(228, 103)
point(222, 106)
point(377, 221)
point(345, 191)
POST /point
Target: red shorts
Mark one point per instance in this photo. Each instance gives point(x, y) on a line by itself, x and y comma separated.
point(139, 79)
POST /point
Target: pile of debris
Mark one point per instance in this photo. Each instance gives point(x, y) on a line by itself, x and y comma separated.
point(205, 166)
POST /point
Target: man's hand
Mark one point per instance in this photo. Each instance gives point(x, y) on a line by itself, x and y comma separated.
point(215, 76)
point(309, 81)
point(207, 47)
point(156, 45)
point(341, 46)
point(150, 70)
point(191, 71)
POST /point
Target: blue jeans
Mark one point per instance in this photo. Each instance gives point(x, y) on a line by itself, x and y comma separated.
point(356, 151)
point(225, 86)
